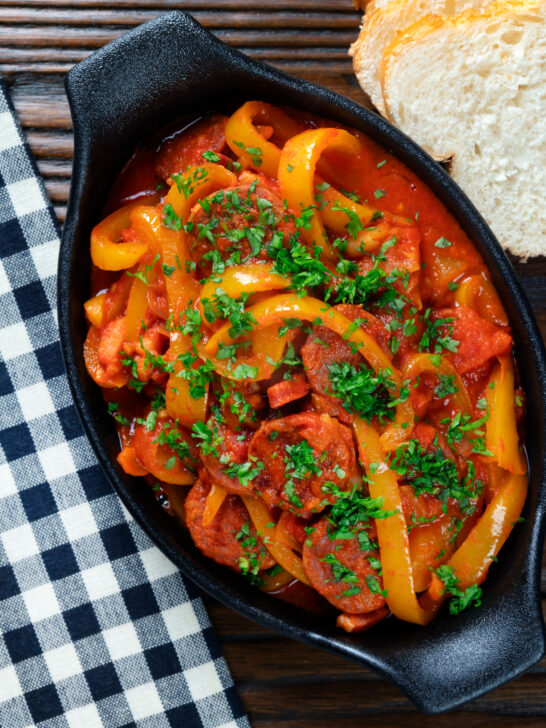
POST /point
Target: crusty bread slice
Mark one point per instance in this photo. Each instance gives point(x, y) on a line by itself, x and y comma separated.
point(472, 88)
point(380, 28)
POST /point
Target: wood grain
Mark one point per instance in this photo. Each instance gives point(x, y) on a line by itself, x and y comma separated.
point(282, 683)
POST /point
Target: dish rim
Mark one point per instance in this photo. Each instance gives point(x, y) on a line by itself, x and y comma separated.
point(488, 248)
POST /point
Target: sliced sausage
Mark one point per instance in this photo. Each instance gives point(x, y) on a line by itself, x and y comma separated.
point(222, 539)
point(341, 571)
point(324, 348)
point(300, 453)
point(288, 390)
point(230, 448)
point(236, 221)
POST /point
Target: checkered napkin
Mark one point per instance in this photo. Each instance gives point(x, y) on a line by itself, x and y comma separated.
point(97, 627)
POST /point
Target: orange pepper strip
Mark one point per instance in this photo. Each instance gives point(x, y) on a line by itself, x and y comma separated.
point(128, 461)
point(392, 532)
point(252, 278)
point(282, 554)
point(241, 130)
point(213, 503)
point(501, 430)
point(136, 309)
point(274, 309)
point(473, 558)
point(301, 154)
point(477, 292)
point(107, 252)
point(94, 309)
point(419, 363)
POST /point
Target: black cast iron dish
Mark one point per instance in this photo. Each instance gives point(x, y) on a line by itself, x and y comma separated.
point(121, 95)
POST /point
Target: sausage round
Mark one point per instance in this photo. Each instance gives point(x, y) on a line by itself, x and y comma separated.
point(323, 447)
point(222, 539)
point(341, 571)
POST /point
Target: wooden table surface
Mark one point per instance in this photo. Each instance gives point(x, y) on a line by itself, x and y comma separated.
point(282, 683)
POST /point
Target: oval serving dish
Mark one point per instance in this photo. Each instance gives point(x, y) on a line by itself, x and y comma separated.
point(125, 93)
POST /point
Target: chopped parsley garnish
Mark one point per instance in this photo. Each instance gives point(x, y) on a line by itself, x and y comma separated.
point(303, 268)
point(245, 472)
point(211, 156)
point(170, 218)
point(143, 276)
point(113, 409)
point(362, 390)
point(224, 307)
point(340, 572)
point(442, 243)
point(300, 462)
point(254, 152)
point(433, 336)
point(446, 386)
point(350, 512)
point(460, 428)
point(430, 471)
point(460, 600)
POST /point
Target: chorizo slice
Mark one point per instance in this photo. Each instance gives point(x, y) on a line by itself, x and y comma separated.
point(236, 221)
point(230, 538)
point(323, 348)
point(226, 449)
point(288, 390)
point(300, 454)
point(341, 569)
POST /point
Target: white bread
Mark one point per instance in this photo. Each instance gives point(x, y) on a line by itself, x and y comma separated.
point(472, 88)
point(380, 28)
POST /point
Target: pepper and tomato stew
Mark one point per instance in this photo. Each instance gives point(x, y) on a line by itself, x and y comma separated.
point(309, 365)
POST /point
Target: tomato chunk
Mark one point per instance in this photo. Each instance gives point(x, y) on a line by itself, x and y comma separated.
point(479, 340)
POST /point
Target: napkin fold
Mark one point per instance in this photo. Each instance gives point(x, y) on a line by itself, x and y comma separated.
point(98, 628)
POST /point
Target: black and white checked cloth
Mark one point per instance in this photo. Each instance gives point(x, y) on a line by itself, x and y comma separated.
point(98, 628)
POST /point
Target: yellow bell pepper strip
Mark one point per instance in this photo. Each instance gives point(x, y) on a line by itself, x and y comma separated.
point(136, 309)
point(283, 555)
point(145, 222)
point(471, 561)
point(245, 140)
point(501, 430)
point(251, 278)
point(194, 185)
point(213, 503)
point(107, 253)
point(301, 155)
point(273, 310)
point(368, 239)
point(94, 309)
point(416, 364)
point(477, 292)
point(392, 533)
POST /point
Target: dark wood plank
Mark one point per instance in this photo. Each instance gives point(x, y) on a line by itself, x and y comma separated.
point(283, 684)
